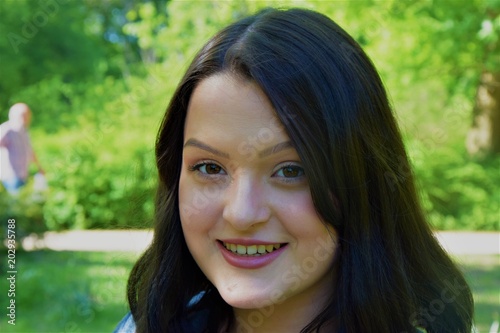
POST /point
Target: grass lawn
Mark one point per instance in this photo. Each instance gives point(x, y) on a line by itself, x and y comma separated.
point(483, 275)
point(68, 291)
point(85, 291)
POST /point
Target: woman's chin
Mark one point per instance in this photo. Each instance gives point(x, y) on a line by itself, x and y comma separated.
point(247, 302)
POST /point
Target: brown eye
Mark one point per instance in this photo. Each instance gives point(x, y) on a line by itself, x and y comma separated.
point(290, 171)
point(207, 169)
point(212, 169)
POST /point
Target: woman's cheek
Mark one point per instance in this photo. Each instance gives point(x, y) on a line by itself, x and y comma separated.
point(294, 203)
point(198, 204)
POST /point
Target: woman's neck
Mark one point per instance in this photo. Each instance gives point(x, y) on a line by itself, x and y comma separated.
point(289, 316)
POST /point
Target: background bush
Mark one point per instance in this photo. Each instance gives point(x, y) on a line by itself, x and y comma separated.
point(96, 117)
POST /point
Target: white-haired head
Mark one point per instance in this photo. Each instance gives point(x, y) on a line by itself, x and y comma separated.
point(20, 115)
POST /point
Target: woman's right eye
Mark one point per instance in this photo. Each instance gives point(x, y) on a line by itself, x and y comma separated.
point(207, 168)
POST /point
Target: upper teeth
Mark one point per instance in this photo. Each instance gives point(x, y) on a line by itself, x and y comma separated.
point(251, 249)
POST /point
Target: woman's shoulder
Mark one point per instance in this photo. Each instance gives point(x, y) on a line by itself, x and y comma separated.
point(126, 325)
point(198, 320)
point(195, 322)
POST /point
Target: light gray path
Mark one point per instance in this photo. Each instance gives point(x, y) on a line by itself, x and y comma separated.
point(92, 240)
point(470, 242)
point(455, 242)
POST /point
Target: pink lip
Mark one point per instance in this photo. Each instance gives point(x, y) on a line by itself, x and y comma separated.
point(247, 242)
point(249, 262)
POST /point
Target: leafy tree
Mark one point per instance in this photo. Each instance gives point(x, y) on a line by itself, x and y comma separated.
point(99, 75)
point(465, 48)
point(41, 40)
point(451, 47)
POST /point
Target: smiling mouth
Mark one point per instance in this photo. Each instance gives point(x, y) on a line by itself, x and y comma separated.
point(251, 250)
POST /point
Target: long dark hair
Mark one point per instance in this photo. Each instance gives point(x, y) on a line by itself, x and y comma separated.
point(392, 275)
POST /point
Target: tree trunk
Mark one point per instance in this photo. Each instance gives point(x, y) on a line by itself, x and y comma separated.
point(483, 138)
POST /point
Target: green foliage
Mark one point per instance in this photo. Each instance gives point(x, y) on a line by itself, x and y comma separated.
point(26, 209)
point(101, 176)
point(88, 194)
point(97, 111)
point(41, 39)
point(459, 193)
point(99, 162)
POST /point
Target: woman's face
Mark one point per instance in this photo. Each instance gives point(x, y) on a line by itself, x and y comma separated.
point(245, 205)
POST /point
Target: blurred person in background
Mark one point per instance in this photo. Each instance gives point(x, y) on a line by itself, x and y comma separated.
point(16, 151)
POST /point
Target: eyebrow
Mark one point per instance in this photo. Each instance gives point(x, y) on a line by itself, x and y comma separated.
point(266, 152)
point(276, 149)
point(201, 145)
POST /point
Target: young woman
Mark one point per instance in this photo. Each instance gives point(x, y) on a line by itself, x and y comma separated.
point(286, 201)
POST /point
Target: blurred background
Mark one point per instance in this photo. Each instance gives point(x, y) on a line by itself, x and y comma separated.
point(98, 76)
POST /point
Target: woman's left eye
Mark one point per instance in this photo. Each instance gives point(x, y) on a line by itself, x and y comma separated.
point(208, 168)
point(290, 171)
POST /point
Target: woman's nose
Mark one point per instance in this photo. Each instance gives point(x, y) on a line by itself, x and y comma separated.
point(245, 203)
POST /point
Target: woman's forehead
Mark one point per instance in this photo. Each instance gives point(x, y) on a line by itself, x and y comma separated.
point(224, 102)
point(233, 114)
